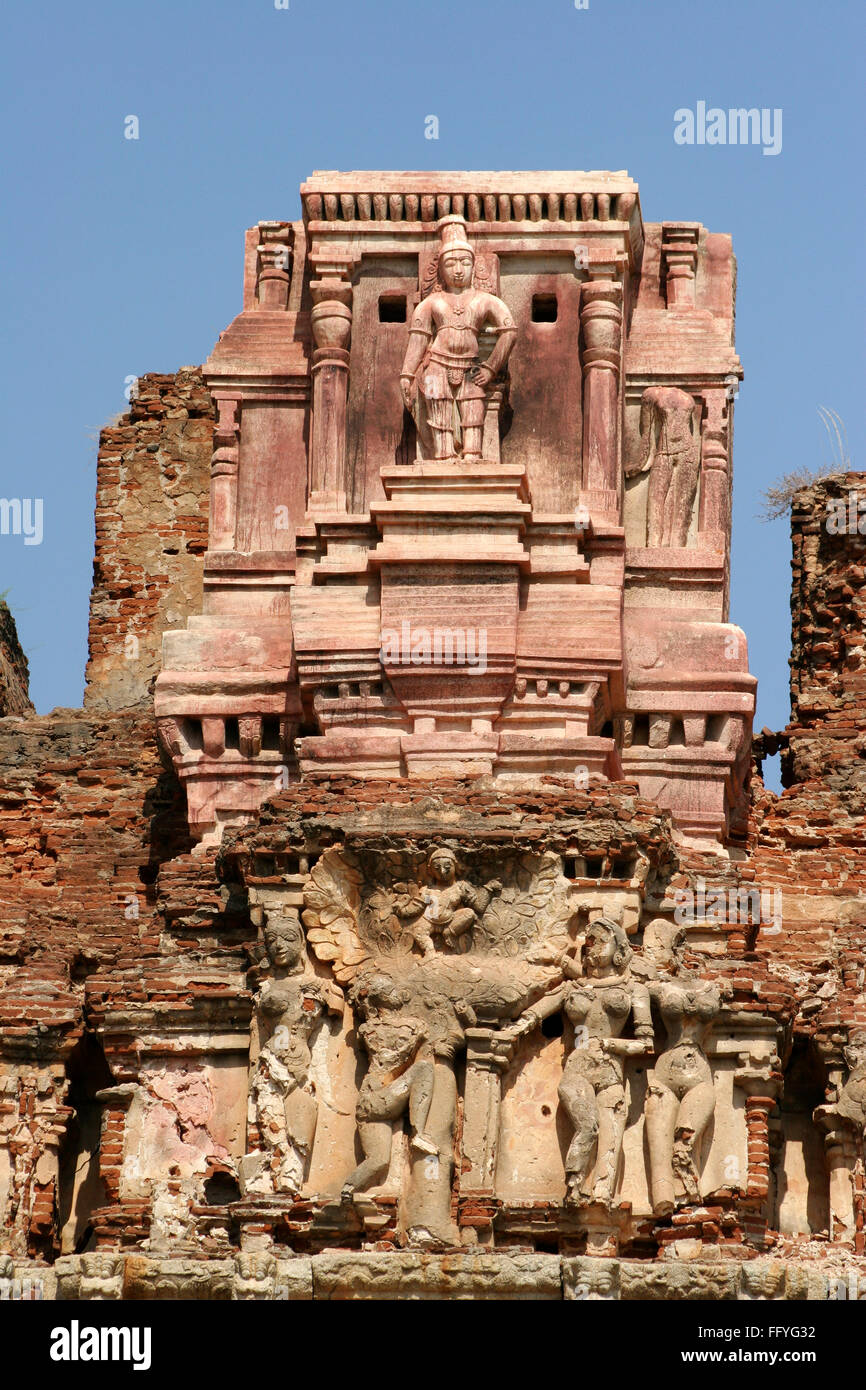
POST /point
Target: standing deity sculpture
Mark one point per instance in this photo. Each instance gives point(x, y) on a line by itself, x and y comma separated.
point(599, 995)
point(443, 381)
point(681, 1098)
point(670, 428)
point(290, 1007)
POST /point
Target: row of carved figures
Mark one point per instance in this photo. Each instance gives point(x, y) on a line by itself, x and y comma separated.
point(610, 998)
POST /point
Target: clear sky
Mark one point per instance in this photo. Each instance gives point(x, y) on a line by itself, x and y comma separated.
point(124, 256)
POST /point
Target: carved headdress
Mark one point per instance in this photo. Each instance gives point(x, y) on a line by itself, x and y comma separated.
point(452, 235)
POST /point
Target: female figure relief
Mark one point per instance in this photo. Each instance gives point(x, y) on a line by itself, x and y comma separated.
point(599, 1002)
point(681, 1097)
point(290, 1007)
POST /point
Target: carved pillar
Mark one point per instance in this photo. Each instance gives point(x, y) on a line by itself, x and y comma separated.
point(485, 1063)
point(332, 327)
point(601, 324)
point(490, 443)
point(715, 482)
point(859, 1202)
point(116, 1100)
point(224, 474)
point(274, 253)
point(842, 1120)
point(679, 262)
point(841, 1159)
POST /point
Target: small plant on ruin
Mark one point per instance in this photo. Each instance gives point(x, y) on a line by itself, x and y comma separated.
point(778, 497)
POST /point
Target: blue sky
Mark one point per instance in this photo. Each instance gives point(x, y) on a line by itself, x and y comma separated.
point(125, 256)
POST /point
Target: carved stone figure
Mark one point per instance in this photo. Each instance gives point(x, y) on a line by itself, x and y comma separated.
point(849, 1108)
point(290, 1007)
point(598, 999)
point(443, 380)
point(429, 959)
point(681, 1098)
point(670, 428)
point(843, 1122)
point(399, 1077)
point(453, 905)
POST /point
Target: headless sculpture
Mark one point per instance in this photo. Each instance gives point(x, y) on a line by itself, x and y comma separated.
point(668, 425)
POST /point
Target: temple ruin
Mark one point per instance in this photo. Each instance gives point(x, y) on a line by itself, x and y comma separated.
point(404, 913)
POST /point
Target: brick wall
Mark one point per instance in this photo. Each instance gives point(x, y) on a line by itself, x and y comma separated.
point(152, 482)
point(810, 841)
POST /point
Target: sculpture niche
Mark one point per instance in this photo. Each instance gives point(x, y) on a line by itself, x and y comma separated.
point(290, 1007)
point(428, 949)
point(669, 425)
point(443, 382)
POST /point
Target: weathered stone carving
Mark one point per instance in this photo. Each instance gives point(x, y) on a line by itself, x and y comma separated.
point(434, 956)
point(444, 382)
point(843, 1122)
point(599, 996)
point(361, 907)
point(454, 907)
point(399, 1077)
point(32, 1118)
point(290, 1006)
point(670, 428)
point(681, 1098)
point(504, 1274)
point(849, 1107)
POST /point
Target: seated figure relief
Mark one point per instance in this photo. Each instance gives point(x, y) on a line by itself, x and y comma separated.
point(454, 906)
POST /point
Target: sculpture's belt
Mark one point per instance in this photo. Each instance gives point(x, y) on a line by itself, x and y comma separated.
point(453, 361)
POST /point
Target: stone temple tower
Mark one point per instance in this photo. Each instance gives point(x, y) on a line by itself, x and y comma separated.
point(419, 924)
point(576, 526)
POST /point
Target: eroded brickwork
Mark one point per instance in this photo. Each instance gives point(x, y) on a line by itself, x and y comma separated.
point(809, 842)
point(151, 532)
